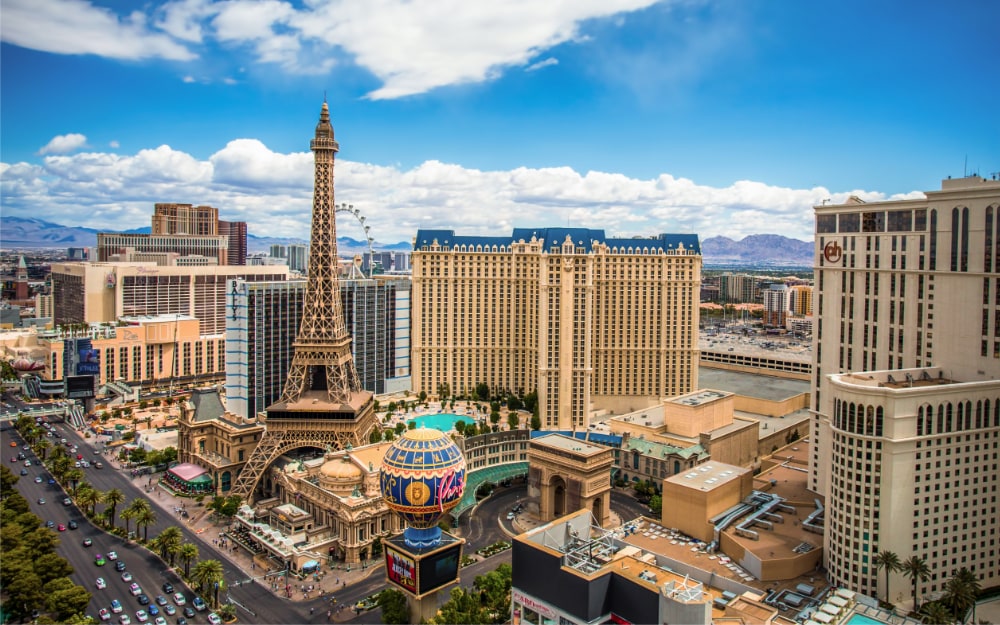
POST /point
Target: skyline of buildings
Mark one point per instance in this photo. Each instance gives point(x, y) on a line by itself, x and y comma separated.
point(906, 295)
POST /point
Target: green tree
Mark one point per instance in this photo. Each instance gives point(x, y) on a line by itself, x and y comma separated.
point(169, 543)
point(208, 575)
point(67, 602)
point(656, 504)
point(145, 517)
point(388, 435)
point(112, 498)
point(514, 403)
point(536, 422)
point(444, 392)
point(513, 422)
point(227, 612)
point(422, 396)
point(74, 476)
point(42, 448)
point(23, 594)
point(917, 570)
point(935, 613)
point(411, 425)
point(127, 515)
point(889, 562)
point(52, 566)
point(960, 593)
point(375, 436)
point(460, 427)
point(395, 611)
point(531, 402)
point(187, 553)
point(400, 428)
point(483, 391)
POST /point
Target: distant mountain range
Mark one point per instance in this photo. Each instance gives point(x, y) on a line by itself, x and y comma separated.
point(753, 250)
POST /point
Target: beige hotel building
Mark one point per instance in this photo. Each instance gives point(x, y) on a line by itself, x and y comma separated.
point(596, 325)
point(906, 394)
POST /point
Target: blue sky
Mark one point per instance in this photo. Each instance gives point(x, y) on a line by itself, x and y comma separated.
point(728, 117)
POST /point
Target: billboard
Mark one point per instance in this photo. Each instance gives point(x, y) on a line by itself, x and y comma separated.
point(401, 570)
point(79, 387)
point(89, 363)
point(439, 568)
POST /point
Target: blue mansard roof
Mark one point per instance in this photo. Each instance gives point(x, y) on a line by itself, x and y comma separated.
point(554, 237)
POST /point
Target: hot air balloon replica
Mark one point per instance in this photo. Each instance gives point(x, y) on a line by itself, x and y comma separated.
point(422, 477)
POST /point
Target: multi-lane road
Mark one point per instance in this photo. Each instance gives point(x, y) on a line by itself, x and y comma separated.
point(255, 604)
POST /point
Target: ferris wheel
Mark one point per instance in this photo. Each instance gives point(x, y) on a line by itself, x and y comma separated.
point(349, 209)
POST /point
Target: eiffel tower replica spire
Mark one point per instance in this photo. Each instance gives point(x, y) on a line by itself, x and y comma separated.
point(322, 403)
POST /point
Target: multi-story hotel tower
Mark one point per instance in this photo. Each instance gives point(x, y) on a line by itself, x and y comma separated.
point(591, 323)
point(322, 403)
point(906, 429)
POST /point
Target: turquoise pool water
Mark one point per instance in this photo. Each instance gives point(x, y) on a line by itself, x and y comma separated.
point(861, 619)
point(443, 421)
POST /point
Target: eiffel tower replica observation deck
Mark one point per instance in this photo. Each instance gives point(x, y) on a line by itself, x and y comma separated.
point(322, 404)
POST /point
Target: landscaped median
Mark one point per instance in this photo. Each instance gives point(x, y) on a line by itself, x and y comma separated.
point(495, 548)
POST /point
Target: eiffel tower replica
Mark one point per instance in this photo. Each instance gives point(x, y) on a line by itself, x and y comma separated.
point(322, 403)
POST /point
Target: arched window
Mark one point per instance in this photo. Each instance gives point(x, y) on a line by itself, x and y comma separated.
point(929, 420)
point(933, 241)
point(979, 414)
point(940, 419)
point(965, 239)
point(956, 226)
point(920, 421)
point(869, 421)
point(988, 255)
point(879, 418)
point(850, 418)
point(836, 414)
point(968, 415)
point(949, 423)
point(677, 467)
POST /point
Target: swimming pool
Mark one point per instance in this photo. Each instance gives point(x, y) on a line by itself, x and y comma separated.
point(861, 619)
point(443, 421)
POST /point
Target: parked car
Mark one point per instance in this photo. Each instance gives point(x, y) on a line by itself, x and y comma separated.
point(214, 619)
point(135, 589)
point(116, 606)
point(101, 583)
point(104, 614)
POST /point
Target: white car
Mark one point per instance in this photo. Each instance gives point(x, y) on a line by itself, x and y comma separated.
point(104, 614)
point(141, 616)
point(160, 621)
point(135, 589)
point(101, 583)
point(125, 619)
point(112, 555)
point(214, 619)
point(179, 598)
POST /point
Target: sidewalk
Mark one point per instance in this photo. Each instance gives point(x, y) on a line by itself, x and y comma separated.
point(327, 582)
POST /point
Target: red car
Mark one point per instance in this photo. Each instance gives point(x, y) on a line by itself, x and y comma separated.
point(61, 528)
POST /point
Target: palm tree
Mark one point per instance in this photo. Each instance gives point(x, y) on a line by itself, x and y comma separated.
point(170, 542)
point(889, 561)
point(89, 498)
point(208, 575)
point(126, 515)
point(43, 447)
point(960, 593)
point(917, 570)
point(934, 613)
point(74, 476)
point(144, 518)
point(188, 552)
point(112, 498)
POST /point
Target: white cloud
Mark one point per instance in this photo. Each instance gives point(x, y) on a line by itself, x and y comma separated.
point(412, 46)
point(61, 144)
point(114, 145)
point(272, 191)
point(79, 27)
point(540, 64)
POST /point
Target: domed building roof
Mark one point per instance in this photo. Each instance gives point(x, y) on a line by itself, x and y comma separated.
point(340, 474)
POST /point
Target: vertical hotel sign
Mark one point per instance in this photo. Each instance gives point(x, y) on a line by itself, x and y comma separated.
point(401, 569)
